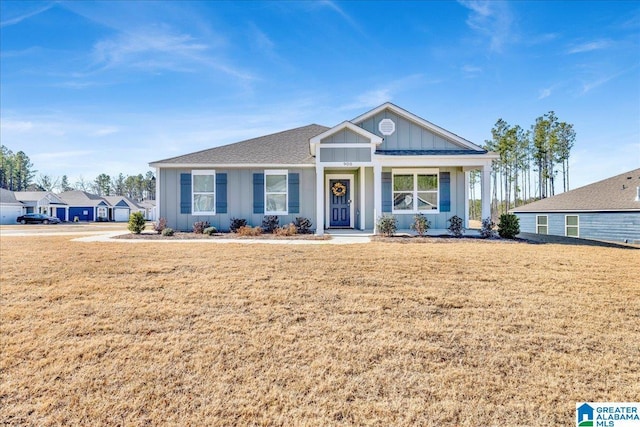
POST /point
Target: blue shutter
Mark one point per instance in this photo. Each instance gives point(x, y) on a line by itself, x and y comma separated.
point(445, 192)
point(258, 193)
point(386, 192)
point(185, 193)
point(294, 193)
point(221, 193)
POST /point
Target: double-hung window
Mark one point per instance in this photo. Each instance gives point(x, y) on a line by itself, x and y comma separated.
point(542, 224)
point(571, 226)
point(203, 183)
point(415, 190)
point(276, 192)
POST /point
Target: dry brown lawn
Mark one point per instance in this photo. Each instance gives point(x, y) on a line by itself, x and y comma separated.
point(474, 333)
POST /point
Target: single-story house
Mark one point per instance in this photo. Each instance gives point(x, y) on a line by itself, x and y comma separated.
point(385, 161)
point(44, 202)
point(10, 207)
point(85, 206)
point(605, 210)
point(148, 208)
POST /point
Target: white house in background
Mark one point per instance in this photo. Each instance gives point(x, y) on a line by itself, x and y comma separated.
point(44, 202)
point(10, 207)
point(149, 207)
point(385, 161)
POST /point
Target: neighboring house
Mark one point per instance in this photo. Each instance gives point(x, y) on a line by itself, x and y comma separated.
point(386, 161)
point(122, 207)
point(44, 202)
point(10, 207)
point(85, 206)
point(149, 209)
point(605, 210)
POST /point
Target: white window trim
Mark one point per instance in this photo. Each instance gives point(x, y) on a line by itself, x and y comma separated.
point(193, 192)
point(566, 226)
point(285, 192)
point(415, 173)
point(541, 225)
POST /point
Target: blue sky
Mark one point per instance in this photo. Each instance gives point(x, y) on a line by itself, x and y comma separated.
point(107, 87)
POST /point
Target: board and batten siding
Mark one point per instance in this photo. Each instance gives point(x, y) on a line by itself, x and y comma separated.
point(239, 198)
point(408, 135)
point(345, 136)
point(345, 154)
point(453, 191)
point(609, 226)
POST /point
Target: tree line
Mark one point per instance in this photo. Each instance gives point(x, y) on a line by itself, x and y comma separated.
point(17, 173)
point(529, 163)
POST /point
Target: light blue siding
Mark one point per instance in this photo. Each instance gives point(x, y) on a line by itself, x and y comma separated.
point(239, 199)
point(610, 226)
point(439, 220)
point(345, 136)
point(408, 136)
point(345, 154)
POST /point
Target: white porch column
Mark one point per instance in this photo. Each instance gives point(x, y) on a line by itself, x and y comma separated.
point(486, 191)
point(363, 212)
point(157, 208)
point(377, 195)
point(319, 200)
point(466, 198)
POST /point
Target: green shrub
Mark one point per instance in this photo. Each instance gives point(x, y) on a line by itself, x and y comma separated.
point(420, 224)
point(199, 226)
point(509, 226)
point(303, 225)
point(236, 223)
point(387, 225)
point(136, 223)
point(488, 229)
point(270, 223)
point(160, 225)
point(167, 232)
point(210, 231)
point(456, 228)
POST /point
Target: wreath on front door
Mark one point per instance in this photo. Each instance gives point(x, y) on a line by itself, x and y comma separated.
point(339, 189)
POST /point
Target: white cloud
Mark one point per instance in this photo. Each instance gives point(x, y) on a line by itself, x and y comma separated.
point(15, 125)
point(471, 71)
point(22, 15)
point(158, 48)
point(544, 93)
point(492, 20)
point(589, 46)
point(380, 95)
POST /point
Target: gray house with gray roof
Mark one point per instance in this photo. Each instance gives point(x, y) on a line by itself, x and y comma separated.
point(605, 210)
point(387, 161)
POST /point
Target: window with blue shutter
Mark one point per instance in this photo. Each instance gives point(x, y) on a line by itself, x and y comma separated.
point(445, 192)
point(258, 193)
point(386, 192)
point(221, 193)
point(185, 193)
point(294, 193)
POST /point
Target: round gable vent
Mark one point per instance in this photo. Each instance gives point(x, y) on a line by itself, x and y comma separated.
point(386, 127)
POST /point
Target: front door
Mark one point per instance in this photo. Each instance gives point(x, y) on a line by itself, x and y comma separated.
point(340, 203)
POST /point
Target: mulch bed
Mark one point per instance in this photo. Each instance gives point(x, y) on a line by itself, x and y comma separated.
point(182, 235)
point(406, 238)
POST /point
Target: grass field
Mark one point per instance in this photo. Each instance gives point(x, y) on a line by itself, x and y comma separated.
point(452, 333)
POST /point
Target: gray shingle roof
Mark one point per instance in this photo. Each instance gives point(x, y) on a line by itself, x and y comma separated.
point(612, 194)
point(290, 147)
point(7, 197)
point(81, 198)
